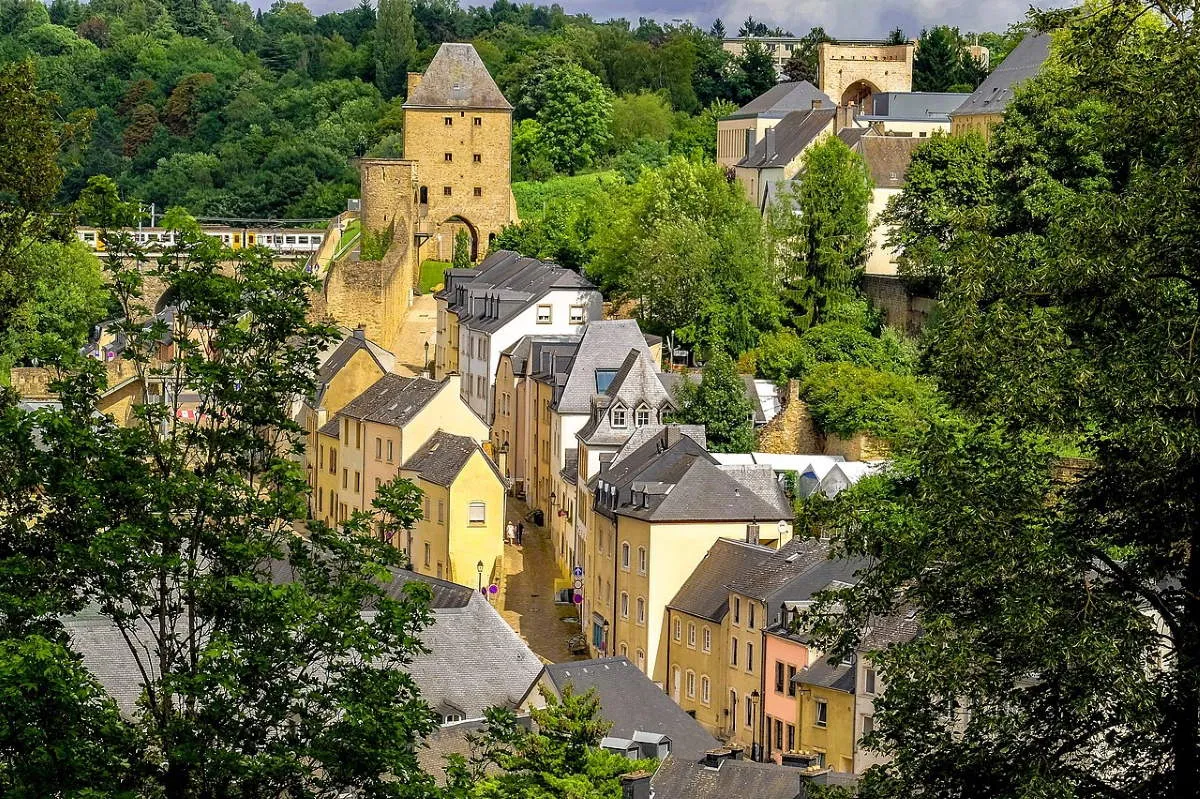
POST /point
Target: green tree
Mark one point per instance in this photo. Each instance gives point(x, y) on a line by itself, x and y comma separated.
point(559, 757)
point(397, 508)
point(938, 64)
point(395, 46)
point(180, 534)
point(756, 71)
point(802, 63)
point(718, 402)
point(819, 231)
point(785, 354)
point(1060, 621)
point(947, 188)
point(687, 247)
point(636, 116)
point(462, 250)
point(573, 111)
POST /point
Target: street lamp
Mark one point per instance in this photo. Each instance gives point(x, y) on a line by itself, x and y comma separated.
point(479, 568)
point(604, 641)
point(427, 357)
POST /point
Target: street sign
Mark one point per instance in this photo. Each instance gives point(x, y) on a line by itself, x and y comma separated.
point(577, 599)
point(578, 571)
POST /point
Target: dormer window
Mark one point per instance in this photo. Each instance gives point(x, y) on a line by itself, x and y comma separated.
point(642, 416)
point(618, 417)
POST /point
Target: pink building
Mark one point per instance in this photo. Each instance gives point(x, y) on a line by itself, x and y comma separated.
point(785, 655)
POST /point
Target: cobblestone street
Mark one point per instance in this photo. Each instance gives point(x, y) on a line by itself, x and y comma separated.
point(527, 602)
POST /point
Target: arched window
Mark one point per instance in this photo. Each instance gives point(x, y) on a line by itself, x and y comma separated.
point(624, 605)
point(749, 711)
point(675, 684)
point(643, 561)
point(641, 660)
point(705, 689)
point(641, 611)
point(624, 650)
point(691, 635)
point(707, 640)
point(691, 684)
point(676, 630)
point(625, 555)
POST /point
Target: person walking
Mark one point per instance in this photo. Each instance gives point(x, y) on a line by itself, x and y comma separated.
point(509, 533)
point(520, 533)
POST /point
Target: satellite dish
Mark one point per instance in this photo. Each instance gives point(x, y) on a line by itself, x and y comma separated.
point(783, 526)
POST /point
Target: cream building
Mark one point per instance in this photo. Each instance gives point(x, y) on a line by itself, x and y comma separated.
point(853, 72)
point(738, 133)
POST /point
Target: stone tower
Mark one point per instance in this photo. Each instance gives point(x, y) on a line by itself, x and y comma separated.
point(854, 72)
point(458, 131)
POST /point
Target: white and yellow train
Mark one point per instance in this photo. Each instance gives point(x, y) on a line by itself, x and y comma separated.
point(285, 241)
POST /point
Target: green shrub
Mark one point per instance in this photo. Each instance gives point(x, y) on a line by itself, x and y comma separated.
point(847, 399)
point(785, 354)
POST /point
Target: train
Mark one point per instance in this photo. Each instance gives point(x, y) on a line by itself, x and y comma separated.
point(285, 241)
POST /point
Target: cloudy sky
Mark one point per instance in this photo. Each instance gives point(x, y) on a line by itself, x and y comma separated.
point(847, 19)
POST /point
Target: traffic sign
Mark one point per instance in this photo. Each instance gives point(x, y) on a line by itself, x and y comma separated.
point(578, 571)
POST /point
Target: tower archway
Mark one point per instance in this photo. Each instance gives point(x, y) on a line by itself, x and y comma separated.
point(454, 224)
point(862, 94)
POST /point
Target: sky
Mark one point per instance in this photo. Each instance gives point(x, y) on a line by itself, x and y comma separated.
point(847, 19)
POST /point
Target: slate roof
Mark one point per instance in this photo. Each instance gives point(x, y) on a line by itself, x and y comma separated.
point(442, 457)
point(887, 630)
point(914, 106)
point(457, 78)
point(681, 778)
point(504, 284)
point(794, 132)
point(605, 345)
point(637, 382)
point(851, 136)
point(393, 400)
point(887, 158)
point(645, 433)
point(781, 99)
point(632, 703)
point(835, 676)
point(999, 88)
point(706, 592)
point(570, 469)
point(525, 352)
point(780, 567)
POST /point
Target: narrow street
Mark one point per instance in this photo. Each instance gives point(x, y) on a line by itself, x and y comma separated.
point(527, 603)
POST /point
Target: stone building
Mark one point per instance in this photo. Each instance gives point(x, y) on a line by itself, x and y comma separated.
point(853, 72)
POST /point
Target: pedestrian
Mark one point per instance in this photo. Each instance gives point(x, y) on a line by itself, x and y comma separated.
point(509, 533)
point(520, 533)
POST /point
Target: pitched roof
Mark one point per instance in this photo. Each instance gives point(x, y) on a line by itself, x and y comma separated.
point(393, 400)
point(914, 106)
point(850, 136)
point(836, 676)
point(782, 144)
point(506, 283)
point(442, 457)
point(632, 703)
point(781, 99)
point(457, 78)
point(780, 567)
point(999, 88)
point(525, 352)
point(605, 345)
point(636, 383)
point(681, 778)
point(887, 158)
point(706, 592)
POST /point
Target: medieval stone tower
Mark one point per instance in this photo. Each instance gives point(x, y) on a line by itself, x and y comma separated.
point(854, 72)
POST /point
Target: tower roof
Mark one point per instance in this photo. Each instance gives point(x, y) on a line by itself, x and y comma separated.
point(457, 78)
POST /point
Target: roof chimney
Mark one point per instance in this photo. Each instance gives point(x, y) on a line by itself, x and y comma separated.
point(414, 80)
point(770, 142)
point(635, 785)
point(845, 116)
point(360, 333)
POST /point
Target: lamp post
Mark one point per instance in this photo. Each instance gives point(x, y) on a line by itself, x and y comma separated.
point(427, 369)
point(604, 642)
point(479, 568)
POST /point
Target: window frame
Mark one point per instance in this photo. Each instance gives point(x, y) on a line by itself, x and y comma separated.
point(471, 515)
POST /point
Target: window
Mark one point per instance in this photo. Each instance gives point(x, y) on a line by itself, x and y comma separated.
point(691, 684)
point(544, 315)
point(447, 191)
point(778, 734)
point(477, 158)
point(691, 635)
point(750, 656)
point(791, 684)
point(378, 483)
point(625, 555)
point(642, 560)
point(378, 448)
point(478, 191)
point(624, 605)
point(737, 610)
point(749, 711)
point(476, 513)
point(868, 725)
point(428, 553)
point(358, 428)
point(451, 718)
point(791, 737)
point(624, 650)
point(333, 461)
point(578, 314)
point(778, 677)
point(389, 451)
point(705, 689)
point(441, 512)
point(677, 630)
point(822, 713)
point(642, 418)
point(707, 640)
point(447, 121)
point(641, 660)
point(675, 684)
point(618, 417)
point(346, 432)
point(641, 611)
point(357, 482)
point(750, 609)
point(425, 515)
point(448, 157)
point(477, 122)
point(733, 652)
point(345, 478)
point(869, 679)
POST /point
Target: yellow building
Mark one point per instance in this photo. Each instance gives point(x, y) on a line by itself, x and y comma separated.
point(461, 537)
point(826, 719)
point(853, 72)
point(984, 109)
point(657, 507)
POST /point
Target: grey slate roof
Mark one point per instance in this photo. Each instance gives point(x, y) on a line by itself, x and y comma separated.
point(706, 592)
point(457, 78)
point(605, 345)
point(774, 572)
point(393, 400)
point(570, 469)
point(887, 630)
point(632, 703)
point(998, 88)
point(636, 382)
point(836, 676)
point(914, 106)
point(888, 157)
point(794, 132)
point(850, 136)
point(681, 778)
point(442, 457)
point(525, 352)
point(781, 99)
point(504, 284)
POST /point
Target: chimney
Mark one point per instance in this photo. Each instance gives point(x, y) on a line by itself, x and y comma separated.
point(713, 758)
point(735, 752)
point(360, 333)
point(414, 80)
point(635, 785)
point(671, 435)
point(845, 116)
point(770, 139)
point(797, 759)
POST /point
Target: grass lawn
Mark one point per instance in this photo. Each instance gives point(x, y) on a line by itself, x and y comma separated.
point(532, 195)
point(350, 238)
point(431, 275)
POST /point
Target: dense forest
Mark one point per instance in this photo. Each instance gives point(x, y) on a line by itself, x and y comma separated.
point(231, 112)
